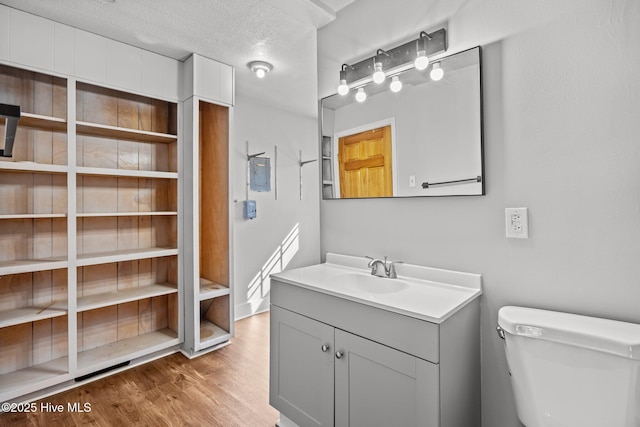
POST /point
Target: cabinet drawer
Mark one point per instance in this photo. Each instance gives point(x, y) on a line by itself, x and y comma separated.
point(407, 334)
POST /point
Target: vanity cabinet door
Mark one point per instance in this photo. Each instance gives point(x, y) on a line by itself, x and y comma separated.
point(301, 368)
point(380, 386)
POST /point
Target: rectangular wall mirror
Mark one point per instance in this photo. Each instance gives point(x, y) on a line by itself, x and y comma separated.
point(424, 140)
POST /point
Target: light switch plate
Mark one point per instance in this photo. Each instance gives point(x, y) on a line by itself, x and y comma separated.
point(517, 223)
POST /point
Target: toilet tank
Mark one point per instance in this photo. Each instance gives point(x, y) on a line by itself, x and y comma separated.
point(569, 370)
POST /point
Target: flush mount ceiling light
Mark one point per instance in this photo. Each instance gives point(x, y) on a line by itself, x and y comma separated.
point(261, 68)
point(414, 53)
point(436, 72)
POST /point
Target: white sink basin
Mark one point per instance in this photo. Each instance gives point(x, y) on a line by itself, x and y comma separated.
point(369, 284)
point(422, 292)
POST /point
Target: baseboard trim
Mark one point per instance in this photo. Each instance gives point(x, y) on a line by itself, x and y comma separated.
point(250, 308)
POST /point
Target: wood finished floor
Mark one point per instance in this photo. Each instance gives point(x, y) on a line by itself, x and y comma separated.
point(227, 387)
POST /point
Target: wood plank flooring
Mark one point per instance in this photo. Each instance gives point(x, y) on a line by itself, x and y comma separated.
point(228, 387)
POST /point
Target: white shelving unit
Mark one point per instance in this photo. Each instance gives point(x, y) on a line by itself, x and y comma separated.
point(208, 274)
point(34, 256)
point(127, 222)
point(92, 205)
point(89, 259)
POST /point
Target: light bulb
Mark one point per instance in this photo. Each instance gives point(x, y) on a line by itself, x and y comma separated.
point(261, 68)
point(361, 95)
point(343, 89)
point(436, 72)
point(378, 75)
point(396, 84)
point(422, 61)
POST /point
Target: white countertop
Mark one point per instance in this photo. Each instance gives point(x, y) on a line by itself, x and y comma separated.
point(433, 301)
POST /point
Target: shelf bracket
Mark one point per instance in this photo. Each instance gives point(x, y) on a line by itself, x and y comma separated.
point(301, 163)
point(251, 156)
point(11, 113)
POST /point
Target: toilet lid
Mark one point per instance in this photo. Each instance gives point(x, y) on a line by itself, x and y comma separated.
point(609, 336)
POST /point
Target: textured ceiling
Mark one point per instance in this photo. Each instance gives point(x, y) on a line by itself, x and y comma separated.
point(282, 32)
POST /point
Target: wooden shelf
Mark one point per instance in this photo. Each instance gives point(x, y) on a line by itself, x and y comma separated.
point(209, 289)
point(95, 129)
point(38, 121)
point(34, 377)
point(125, 350)
point(211, 334)
point(108, 214)
point(124, 255)
point(125, 173)
point(32, 265)
point(32, 216)
point(114, 214)
point(31, 167)
point(92, 302)
point(18, 316)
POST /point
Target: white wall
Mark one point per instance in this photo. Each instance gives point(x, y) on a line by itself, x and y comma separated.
point(561, 138)
point(286, 231)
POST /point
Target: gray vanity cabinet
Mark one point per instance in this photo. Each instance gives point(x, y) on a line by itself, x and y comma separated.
point(315, 366)
point(301, 368)
point(376, 385)
point(336, 362)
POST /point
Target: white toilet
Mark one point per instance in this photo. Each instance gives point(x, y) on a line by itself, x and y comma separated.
point(572, 371)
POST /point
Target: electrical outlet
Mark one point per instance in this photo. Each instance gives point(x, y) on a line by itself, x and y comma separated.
point(517, 223)
point(412, 181)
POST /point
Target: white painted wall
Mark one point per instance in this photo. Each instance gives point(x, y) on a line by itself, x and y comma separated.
point(286, 231)
point(561, 138)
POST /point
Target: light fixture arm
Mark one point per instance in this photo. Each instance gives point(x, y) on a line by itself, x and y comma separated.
point(423, 37)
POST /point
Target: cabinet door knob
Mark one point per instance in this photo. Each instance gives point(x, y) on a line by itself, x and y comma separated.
point(339, 354)
point(325, 348)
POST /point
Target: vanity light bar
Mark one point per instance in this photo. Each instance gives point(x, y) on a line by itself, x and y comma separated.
point(397, 59)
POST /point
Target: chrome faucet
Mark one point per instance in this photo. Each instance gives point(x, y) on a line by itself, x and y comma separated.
point(381, 269)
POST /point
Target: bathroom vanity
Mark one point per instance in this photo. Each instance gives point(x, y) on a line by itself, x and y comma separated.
point(352, 349)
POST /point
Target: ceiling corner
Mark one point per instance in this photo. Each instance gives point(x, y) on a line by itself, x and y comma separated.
point(316, 13)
